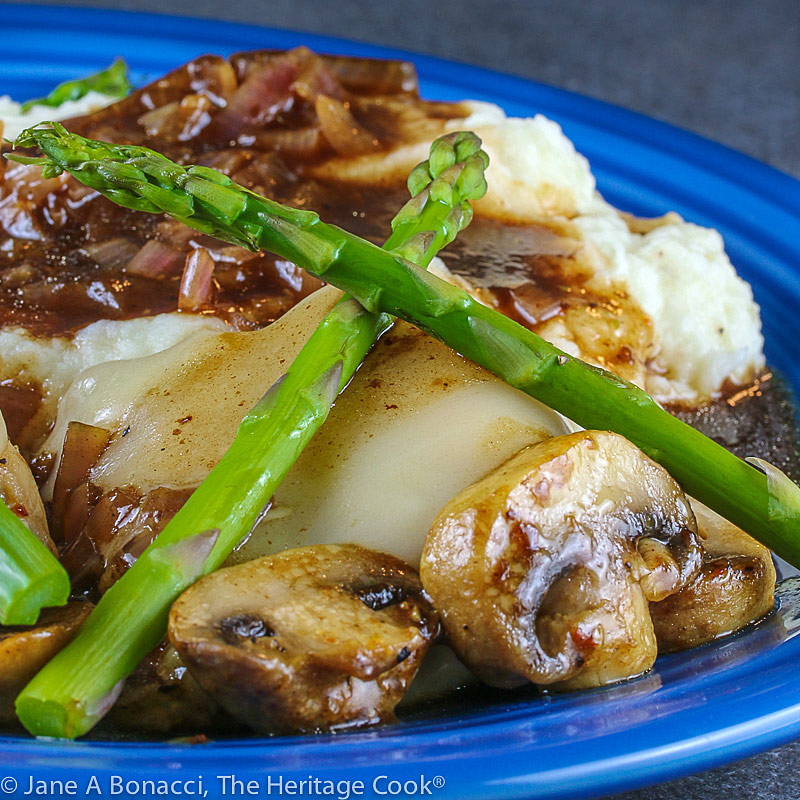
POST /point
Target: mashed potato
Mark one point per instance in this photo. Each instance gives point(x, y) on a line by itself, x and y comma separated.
point(14, 120)
point(706, 325)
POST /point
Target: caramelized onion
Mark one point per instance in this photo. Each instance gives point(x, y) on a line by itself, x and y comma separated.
point(83, 445)
point(155, 122)
point(134, 530)
point(196, 285)
point(114, 253)
point(175, 233)
point(343, 132)
point(113, 530)
point(259, 99)
point(369, 76)
point(195, 114)
point(53, 211)
point(214, 78)
point(77, 507)
point(316, 79)
point(17, 220)
point(267, 173)
point(31, 188)
point(230, 253)
point(17, 276)
point(82, 561)
point(301, 143)
point(155, 259)
point(18, 405)
point(179, 120)
point(227, 160)
point(78, 194)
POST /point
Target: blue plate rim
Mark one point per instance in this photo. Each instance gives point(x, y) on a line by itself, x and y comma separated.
point(728, 738)
point(668, 136)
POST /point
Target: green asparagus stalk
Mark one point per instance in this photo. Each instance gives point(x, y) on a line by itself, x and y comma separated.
point(30, 576)
point(76, 689)
point(112, 81)
point(768, 509)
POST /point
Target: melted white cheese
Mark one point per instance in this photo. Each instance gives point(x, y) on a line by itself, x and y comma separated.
point(417, 424)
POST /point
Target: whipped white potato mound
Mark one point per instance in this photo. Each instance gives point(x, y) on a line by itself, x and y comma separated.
point(706, 324)
point(13, 120)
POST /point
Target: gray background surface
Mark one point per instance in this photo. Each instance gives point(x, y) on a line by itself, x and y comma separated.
point(728, 70)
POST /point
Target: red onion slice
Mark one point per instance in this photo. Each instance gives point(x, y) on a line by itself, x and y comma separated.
point(112, 253)
point(196, 286)
point(155, 260)
point(259, 99)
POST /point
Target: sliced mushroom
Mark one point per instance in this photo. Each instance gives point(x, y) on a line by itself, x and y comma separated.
point(19, 491)
point(162, 696)
point(735, 587)
point(315, 638)
point(542, 570)
point(24, 650)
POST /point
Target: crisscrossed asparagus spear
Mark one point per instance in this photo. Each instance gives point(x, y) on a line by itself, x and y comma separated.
point(75, 690)
point(112, 81)
point(30, 576)
point(767, 506)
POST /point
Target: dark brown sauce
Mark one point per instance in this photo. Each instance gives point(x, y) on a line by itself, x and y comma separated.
point(18, 405)
point(69, 257)
point(536, 274)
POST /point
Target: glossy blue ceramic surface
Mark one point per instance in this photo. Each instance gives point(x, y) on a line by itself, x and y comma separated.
point(697, 709)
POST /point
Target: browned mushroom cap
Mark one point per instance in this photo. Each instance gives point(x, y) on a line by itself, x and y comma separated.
point(735, 586)
point(543, 569)
point(310, 639)
point(162, 696)
point(24, 650)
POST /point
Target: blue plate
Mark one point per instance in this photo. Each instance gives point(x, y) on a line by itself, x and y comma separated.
point(697, 709)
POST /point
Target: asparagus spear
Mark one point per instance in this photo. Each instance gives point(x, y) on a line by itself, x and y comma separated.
point(30, 576)
point(112, 81)
point(76, 689)
point(768, 508)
